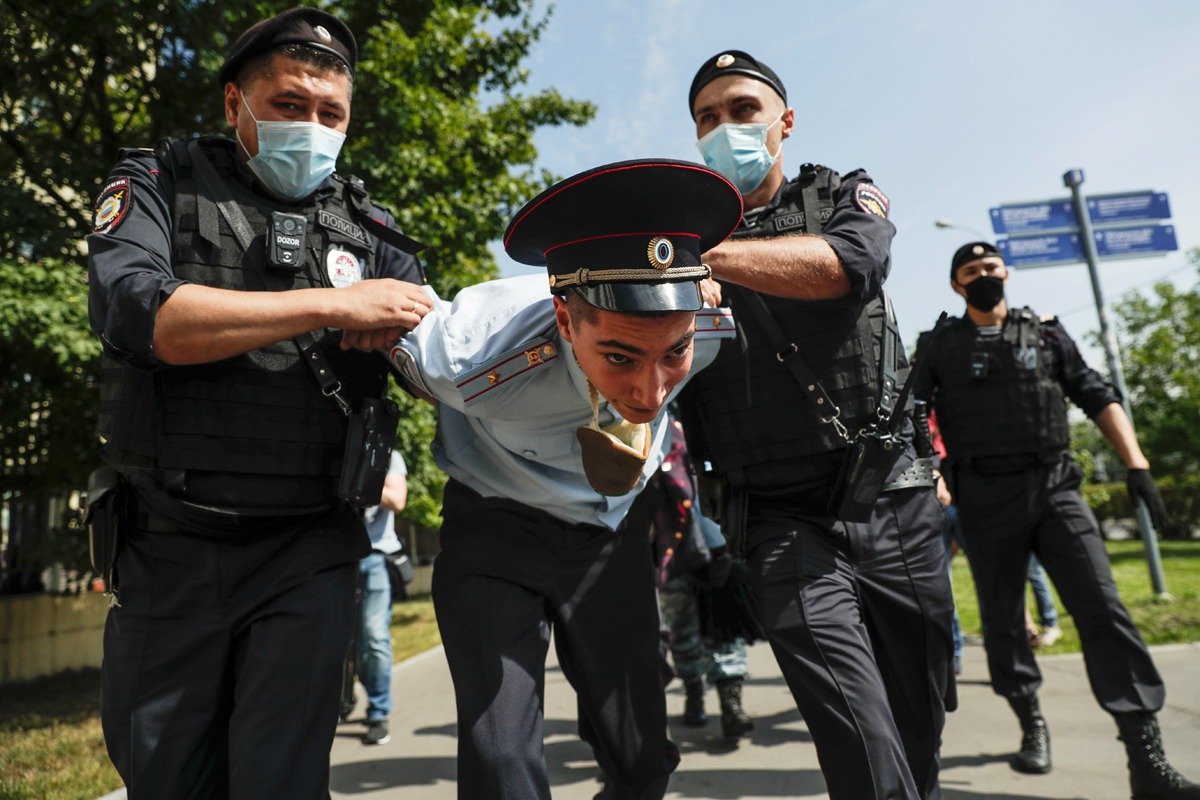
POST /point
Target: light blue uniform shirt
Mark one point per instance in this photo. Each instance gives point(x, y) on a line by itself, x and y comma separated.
point(511, 396)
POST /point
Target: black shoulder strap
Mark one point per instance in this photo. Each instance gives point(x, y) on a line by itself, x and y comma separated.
point(360, 203)
point(813, 181)
point(218, 193)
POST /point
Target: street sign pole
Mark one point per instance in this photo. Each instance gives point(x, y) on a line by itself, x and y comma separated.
point(1073, 180)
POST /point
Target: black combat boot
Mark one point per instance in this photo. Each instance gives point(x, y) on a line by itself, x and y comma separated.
point(1151, 776)
point(1034, 757)
point(734, 722)
point(694, 715)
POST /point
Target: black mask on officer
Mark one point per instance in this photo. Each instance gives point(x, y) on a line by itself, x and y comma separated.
point(985, 292)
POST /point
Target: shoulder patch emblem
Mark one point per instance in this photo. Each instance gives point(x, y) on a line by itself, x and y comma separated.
point(406, 366)
point(112, 205)
point(1048, 319)
point(870, 199)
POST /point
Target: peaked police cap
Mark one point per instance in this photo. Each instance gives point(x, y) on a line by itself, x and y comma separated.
point(628, 236)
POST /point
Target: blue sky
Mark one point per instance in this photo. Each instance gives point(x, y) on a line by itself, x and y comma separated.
point(953, 108)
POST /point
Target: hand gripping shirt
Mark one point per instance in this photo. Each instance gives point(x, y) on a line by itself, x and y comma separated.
point(511, 395)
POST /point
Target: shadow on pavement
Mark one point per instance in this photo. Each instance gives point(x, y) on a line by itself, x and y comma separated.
point(566, 763)
point(730, 784)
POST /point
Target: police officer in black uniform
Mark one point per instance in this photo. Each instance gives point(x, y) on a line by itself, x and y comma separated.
point(858, 613)
point(235, 577)
point(998, 379)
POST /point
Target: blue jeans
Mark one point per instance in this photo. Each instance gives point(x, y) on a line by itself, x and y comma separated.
point(1047, 613)
point(951, 532)
point(375, 637)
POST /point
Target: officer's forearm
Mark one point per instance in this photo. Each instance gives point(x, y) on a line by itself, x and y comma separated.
point(797, 267)
point(1115, 426)
point(200, 324)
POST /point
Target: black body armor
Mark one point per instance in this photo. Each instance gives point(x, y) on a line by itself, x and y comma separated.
point(217, 433)
point(996, 396)
point(756, 426)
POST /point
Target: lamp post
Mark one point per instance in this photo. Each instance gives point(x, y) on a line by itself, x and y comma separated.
point(946, 224)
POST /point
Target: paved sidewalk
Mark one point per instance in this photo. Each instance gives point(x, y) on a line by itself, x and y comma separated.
point(778, 760)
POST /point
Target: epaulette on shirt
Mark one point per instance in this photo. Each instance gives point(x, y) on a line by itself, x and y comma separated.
point(515, 364)
point(715, 323)
point(1048, 319)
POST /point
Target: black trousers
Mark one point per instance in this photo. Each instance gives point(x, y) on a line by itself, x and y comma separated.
point(222, 666)
point(859, 617)
point(1040, 510)
point(506, 575)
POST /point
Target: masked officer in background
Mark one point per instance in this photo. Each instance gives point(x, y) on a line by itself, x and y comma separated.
point(857, 613)
point(550, 421)
point(998, 380)
point(235, 577)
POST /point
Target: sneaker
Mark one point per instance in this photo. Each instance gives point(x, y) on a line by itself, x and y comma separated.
point(1049, 636)
point(377, 732)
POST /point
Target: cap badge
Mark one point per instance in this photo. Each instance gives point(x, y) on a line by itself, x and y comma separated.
point(322, 34)
point(977, 250)
point(724, 60)
point(661, 252)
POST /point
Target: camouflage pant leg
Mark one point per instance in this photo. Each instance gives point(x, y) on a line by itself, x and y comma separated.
point(677, 600)
point(728, 661)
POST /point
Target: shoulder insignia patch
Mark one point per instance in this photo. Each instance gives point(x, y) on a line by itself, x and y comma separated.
point(869, 198)
point(406, 365)
point(715, 323)
point(112, 205)
point(1048, 319)
point(483, 379)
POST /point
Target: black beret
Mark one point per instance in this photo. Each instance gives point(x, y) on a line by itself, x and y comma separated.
point(733, 62)
point(308, 26)
point(628, 236)
point(972, 251)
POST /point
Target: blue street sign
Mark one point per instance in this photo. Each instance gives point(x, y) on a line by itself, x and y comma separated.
point(1104, 209)
point(1142, 240)
point(1048, 215)
point(1036, 251)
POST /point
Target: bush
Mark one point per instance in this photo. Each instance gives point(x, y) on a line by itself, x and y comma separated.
point(1180, 493)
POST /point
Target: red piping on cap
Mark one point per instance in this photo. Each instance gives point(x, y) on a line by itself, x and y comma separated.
point(618, 236)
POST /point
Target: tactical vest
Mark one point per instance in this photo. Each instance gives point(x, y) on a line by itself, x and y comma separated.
point(757, 426)
point(260, 413)
point(996, 395)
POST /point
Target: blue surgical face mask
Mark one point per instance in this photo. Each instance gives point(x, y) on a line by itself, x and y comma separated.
point(293, 158)
point(739, 152)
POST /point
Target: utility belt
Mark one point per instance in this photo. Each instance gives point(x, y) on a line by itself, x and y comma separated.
point(731, 505)
point(1007, 464)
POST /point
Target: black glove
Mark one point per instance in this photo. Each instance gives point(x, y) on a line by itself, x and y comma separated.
point(1141, 486)
point(715, 572)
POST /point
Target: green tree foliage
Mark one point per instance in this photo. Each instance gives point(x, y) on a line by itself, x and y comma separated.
point(1160, 351)
point(440, 131)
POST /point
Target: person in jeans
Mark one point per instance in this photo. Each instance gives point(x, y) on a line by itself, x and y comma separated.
point(375, 611)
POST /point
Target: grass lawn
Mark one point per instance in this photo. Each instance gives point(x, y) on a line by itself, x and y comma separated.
point(1160, 623)
point(51, 746)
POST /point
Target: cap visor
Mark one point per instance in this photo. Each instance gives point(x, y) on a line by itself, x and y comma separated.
point(643, 297)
